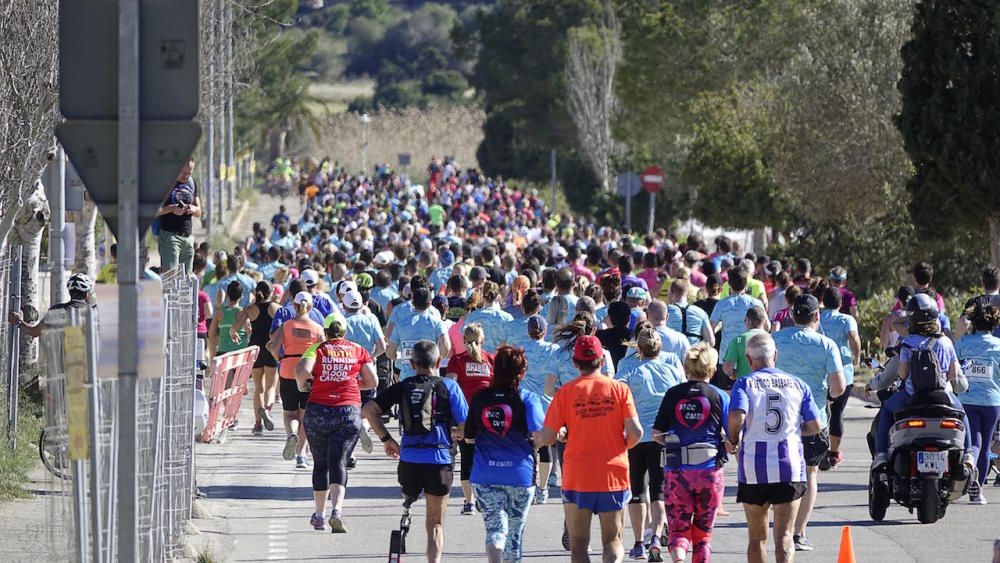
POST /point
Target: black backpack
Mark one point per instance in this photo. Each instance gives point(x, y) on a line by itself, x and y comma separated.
point(423, 405)
point(925, 371)
point(684, 322)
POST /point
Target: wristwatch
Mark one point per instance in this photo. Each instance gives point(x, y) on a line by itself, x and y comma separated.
point(386, 438)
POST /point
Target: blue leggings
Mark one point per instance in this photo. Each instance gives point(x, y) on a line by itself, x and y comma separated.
point(982, 424)
point(887, 418)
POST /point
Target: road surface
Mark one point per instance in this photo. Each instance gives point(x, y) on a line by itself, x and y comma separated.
point(261, 507)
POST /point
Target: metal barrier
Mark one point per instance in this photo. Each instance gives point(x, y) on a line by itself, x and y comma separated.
point(82, 519)
point(230, 373)
point(10, 345)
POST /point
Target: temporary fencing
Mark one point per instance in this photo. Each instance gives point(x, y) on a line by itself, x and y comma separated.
point(82, 518)
point(230, 373)
point(10, 300)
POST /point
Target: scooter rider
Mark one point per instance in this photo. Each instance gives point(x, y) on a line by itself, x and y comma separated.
point(925, 334)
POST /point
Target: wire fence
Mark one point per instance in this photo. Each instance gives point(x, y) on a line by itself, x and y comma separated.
point(82, 515)
point(10, 300)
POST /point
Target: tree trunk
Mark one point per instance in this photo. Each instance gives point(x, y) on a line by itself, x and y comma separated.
point(29, 223)
point(86, 253)
point(995, 240)
point(276, 140)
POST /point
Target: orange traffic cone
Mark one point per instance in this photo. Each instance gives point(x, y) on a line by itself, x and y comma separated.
point(846, 547)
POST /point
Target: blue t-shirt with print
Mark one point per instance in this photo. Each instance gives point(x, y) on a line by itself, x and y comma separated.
point(364, 330)
point(649, 380)
point(696, 412)
point(542, 359)
point(412, 328)
point(494, 321)
point(501, 423)
point(979, 354)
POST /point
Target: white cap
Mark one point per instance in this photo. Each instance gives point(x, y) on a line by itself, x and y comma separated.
point(310, 277)
point(351, 299)
point(303, 297)
point(559, 252)
point(383, 258)
point(346, 286)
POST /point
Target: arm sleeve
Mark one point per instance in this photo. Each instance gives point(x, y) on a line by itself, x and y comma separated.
point(459, 408)
point(534, 415)
point(738, 400)
point(809, 410)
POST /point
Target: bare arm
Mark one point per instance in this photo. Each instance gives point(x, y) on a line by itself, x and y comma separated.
point(729, 369)
point(708, 334)
point(837, 383)
point(736, 418)
point(633, 431)
point(277, 339)
point(811, 428)
point(550, 385)
point(854, 342)
point(303, 371)
point(390, 350)
point(195, 209)
point(369, 377)
point(544, 437)
point(444, 345)
point(379, 347)
point(373, 413)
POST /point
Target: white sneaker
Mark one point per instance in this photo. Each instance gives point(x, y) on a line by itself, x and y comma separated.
point(366, 442)
point(291, 443)
point(647, 536)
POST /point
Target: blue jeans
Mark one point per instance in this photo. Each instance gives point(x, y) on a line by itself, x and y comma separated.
point(983, 423)
point(505, 512)
point(896, 403)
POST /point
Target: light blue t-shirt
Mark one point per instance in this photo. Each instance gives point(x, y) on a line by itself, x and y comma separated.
point(382, 296)
point(567, 371)
point(632, 358)
point(439, 278)
point(838, 327)
point(246, 282)
point(516, 332)
point(364, 330)
point(601, 313)
point(811, 357)
point(979, 354)
point(673, 341)
point(400, 313)
point(697, 318)
point(542, 357)
point(494, 321)
point(649, 380)
point(420, 325)
point(571, 301)
point(731, 312)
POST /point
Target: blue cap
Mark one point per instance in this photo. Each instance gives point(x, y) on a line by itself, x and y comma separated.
point(636, 292)
point(537, 325)
point(447, 258)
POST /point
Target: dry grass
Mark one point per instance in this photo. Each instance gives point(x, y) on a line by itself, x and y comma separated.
point(436, 131)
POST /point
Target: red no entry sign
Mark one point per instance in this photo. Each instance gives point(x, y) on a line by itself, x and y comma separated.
point(652, 179)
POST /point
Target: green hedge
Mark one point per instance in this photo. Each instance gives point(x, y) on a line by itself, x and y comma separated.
point(871, 311)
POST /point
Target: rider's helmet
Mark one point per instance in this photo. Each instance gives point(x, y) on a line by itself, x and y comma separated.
point(80, 282)
point(922, 308)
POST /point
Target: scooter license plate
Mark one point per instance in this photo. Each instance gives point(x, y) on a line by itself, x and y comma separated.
point(932, 462)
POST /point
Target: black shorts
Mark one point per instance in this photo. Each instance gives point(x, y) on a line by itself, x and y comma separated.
point(264, 359)
point(769, 493)
point(644, 460)
point(291, 398)
point(429, 478)
point(815, 447)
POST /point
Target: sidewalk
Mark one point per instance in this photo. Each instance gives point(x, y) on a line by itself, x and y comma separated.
point(27, 533)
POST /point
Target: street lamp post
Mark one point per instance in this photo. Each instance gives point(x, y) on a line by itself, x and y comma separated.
point(365, 119)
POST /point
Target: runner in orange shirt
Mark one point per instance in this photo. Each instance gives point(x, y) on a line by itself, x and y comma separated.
point(596, 417)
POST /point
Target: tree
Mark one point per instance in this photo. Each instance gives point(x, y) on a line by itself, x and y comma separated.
point(31, 219)
point(84, 225)
point(591, 67)
point(950, 121)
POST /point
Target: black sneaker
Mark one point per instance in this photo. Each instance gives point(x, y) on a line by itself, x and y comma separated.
point(824, 463)
point(802, 543)
point(352, 463)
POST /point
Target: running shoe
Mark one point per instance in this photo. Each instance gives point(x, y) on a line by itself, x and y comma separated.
point(317, 521)
point(976, 493)
point(565, 537)
point(258, 430)
point(366, 442)
point(291, 443)
point(265, 417)
point(802, 543)
point(541, 496)
point(654, 549)
point(352, 463)
point(300, 462)
point(824, 463)
point(647, 536)
point(836, 458)
point(638, 551)
point(553, 481)
point(337, 522)
point(468, 509)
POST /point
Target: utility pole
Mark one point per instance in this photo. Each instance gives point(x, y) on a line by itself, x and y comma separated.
point(128, 269)
point(209, 120)
point(57, 235)
point(230, 93)
point(220, 52)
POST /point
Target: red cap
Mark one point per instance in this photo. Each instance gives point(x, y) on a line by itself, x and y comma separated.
point(587, 349)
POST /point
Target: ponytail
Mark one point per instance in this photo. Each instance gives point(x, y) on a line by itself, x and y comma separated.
point(472, 337)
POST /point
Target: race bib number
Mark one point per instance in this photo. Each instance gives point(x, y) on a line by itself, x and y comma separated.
point(979, 371)
point(406, 349)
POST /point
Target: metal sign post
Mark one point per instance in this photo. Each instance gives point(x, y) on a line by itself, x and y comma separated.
point(628, 187)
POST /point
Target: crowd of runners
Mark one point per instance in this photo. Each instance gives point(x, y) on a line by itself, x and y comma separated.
point(464, 321)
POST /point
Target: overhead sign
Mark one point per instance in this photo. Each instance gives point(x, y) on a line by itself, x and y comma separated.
point(652, 179)
point(168, 59)
point(628, 184)
point(164, 148)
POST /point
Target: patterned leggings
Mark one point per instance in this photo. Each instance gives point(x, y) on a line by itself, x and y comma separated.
point(692, 496)
point(505, 511)
point(332, 433)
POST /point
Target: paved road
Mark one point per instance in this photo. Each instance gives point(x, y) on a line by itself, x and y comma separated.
point(262, 505)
